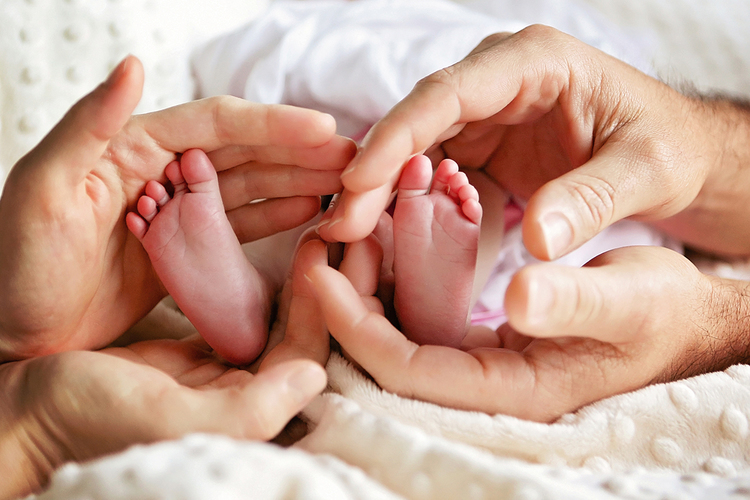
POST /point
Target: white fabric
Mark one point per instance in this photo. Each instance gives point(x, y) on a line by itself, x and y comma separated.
point(687, 439)
point(353, 60)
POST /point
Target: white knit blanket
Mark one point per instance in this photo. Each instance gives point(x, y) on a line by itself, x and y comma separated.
point(687, 439)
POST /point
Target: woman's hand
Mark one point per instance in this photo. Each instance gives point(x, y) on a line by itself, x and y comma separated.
point(71, 275)
point(81, 405)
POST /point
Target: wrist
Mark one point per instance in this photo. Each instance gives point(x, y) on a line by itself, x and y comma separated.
point(25, 466)
point(718, 220)
point(727, 315)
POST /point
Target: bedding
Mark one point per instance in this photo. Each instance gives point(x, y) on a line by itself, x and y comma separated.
point(687, 439)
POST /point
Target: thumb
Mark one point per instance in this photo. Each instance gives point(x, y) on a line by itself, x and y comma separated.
point(276, 394)
point(618, 182)
point(618, 297)
point(80, 138)
point(241, 406)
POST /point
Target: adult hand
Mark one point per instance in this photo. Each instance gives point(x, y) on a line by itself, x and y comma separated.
point(631, 317)
point(80, 405)
point(300, 330)
point(585, 138)
point(71, 275)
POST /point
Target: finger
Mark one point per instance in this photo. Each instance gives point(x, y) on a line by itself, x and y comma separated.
point(384, 233)
point(82, 135)
point(258, 220)
point(619, 181)
point(253, 181)
point(306, 335)
point(355, 215)
point(348, 318)
point(216, 122)
point(484, 380)
point(505, 76)
point(441, 104)
point(361, 265)
point(332, 155)
point(611, 299)
point(192, 364)
point(252, 407)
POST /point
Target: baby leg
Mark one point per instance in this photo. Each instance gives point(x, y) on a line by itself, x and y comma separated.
point(200, 261)
point(436, 235)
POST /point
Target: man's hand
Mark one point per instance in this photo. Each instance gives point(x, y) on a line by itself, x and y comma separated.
point(585, 138)
point(71, 275)
point(631, 317)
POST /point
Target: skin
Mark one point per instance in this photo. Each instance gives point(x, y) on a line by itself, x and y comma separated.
point(71, 274)
point(151, 391)
point(587, 140)
point(188, 238)
point(561, 368)
point(72, 278)
point(436, 226)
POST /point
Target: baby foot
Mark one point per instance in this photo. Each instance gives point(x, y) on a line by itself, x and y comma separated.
point(436, 235)
point(200, 261)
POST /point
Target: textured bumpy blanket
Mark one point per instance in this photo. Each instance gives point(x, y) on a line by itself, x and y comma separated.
point(687, 439)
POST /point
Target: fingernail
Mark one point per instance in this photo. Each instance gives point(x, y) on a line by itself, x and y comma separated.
point(335, 221)
point(115, 74)
point(541, 301)
point(321, 224)
point(558, 234)
point(352, 164)
point(306, 382)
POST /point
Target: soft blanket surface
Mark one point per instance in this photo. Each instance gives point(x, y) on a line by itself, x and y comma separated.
point(687, 439)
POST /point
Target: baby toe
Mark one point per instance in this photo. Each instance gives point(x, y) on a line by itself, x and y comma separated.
point(157, 192)
point(147, 207)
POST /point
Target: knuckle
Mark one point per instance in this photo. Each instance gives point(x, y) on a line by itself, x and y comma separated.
point(596, 200)
point(539, 31)
point(549, 44)
point(543, 35)
point(221, 107)
point(442, 77)
point(494, 39)
point(250, 183)
point(589, 303)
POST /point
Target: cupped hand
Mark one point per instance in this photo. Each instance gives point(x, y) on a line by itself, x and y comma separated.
point(299, 330)
point(79, 405)
point(631, 317)
point(585, 138)
point(71, 275)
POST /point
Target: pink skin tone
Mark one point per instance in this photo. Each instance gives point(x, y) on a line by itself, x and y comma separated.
point(200, 261)
point(435, 237)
